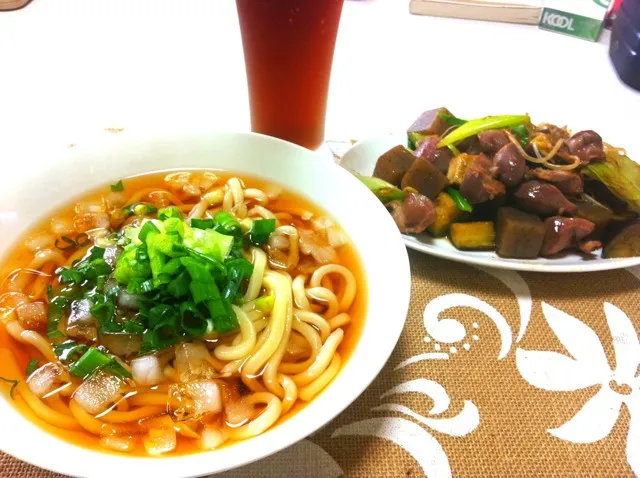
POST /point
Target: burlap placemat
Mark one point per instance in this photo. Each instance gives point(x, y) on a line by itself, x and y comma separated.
point(497, 373)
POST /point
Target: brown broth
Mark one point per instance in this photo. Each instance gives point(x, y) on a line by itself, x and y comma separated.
point(19, 257)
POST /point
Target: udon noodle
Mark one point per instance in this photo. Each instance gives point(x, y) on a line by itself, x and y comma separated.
point(113, 338)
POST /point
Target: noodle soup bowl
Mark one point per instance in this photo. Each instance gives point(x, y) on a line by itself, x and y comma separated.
point(49, 183)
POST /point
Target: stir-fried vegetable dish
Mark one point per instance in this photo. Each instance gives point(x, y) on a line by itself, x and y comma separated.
point(506, 184)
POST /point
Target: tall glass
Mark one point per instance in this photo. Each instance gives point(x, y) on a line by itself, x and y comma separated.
point(288, 50)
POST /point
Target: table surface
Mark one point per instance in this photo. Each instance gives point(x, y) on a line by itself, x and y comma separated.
point(71, 69)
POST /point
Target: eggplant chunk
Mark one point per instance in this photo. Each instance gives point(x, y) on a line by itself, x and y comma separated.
point(446, 214)
point(518, 235)
point(425, 178)
point(625, 244)
point(393, 165)
point(473, 235)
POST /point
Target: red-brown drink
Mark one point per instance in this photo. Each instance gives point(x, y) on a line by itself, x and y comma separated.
point(288, 50)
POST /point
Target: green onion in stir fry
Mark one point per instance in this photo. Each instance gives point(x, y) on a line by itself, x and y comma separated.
point(383, 190)
point(452, 120)
point(461, 202)
point(473, 127)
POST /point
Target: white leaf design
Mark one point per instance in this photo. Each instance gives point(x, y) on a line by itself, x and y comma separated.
point(305, 459)
point(594, 421)
point(625, 342)
point(421, 357)
point(633, 440)
point(554, 371)
point(580, 341)
point(460, 425)
point(520, 289)
point(443, 330)
point(430, 388)
point(415, 440)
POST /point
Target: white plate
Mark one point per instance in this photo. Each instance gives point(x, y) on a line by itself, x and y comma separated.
point(37, 191)
point(362, 158)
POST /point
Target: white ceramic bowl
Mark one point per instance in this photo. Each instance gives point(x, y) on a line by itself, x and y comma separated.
point(57, 180)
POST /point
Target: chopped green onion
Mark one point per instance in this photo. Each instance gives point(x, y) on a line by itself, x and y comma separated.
point(139, 209)
point(146, 229)
point(203, 291)
point(142, 254)
point(383, 190)
point(130, 267)
point(163, 328)
point(97, 253)
point(32, 366)
point(192, 320)
point(461, 202)
point(116, 369)
point(179, 285)
point(224, 318)
point(117, 187)
point(133, 327)
point(237, 271)
point(13, 386)
point(261, 230)
point(138, 286)
point(187, 273)
point(202, 223)
point(198, 255)
point(473, 127)
point(69, 351)
point(159, 314)
point(70, 243)
point(55, 313)
point(69, 276)
point(226, 224)
point(170, 211)
point(265, 304)
point(174, 225)
point(172, 267)
point(92, 360)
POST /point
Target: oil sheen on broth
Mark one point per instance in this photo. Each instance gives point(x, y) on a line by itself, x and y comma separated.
point(164, 314)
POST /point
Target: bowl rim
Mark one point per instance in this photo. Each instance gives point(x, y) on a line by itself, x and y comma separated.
point(280, 436)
